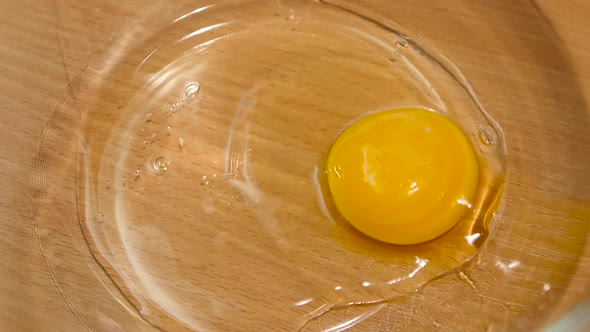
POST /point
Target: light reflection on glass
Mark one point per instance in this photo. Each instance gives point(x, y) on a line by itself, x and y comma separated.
point(507, 267)
point(420, 264)
point(196, 11)
point(472, 238)
point(303, 302)
point(463, 201)
point(204, 30)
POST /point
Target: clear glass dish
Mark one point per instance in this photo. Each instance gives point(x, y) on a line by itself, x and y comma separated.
point(184, 168)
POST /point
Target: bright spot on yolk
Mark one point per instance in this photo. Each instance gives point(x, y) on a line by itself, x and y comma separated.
point(403, 176)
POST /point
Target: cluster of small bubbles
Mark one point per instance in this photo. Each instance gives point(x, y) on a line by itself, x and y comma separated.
point(486, 135)
point(204, 180)
point(171, 109)
point(180, 143)
point(148, 117)
point(160, 165)
point(149, 139)
point(137, 173)
point(191, 90)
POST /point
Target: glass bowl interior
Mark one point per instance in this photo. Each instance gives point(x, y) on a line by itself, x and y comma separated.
point(189, 156)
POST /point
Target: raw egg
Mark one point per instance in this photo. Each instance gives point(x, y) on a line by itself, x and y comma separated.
point(403, 176)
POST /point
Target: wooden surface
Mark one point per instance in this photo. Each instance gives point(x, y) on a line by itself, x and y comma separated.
point(44, 44)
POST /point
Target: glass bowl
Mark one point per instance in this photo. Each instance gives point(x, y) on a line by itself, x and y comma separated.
point(180, 182)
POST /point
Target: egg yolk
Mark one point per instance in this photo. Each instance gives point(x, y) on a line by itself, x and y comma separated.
point(403, 176)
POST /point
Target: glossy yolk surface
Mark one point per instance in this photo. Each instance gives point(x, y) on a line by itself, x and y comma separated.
point(403, 176)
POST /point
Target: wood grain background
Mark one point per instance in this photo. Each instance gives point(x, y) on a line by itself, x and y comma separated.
point(43, 45)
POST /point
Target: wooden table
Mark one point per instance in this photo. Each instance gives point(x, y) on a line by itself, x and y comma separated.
point(44, 44)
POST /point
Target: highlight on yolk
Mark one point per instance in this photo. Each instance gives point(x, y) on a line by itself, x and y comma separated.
point(403, 176)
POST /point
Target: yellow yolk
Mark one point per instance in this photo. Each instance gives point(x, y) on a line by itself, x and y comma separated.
point(403, 176)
